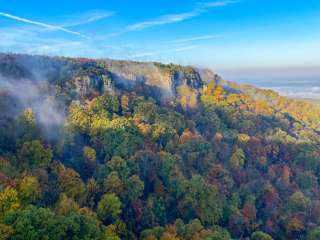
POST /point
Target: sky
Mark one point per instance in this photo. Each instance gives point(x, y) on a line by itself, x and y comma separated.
point(264, 42)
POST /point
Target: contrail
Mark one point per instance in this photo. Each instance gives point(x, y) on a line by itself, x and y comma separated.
point(48, 26)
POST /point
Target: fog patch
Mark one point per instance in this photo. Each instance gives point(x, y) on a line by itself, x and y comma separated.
point(37, 95)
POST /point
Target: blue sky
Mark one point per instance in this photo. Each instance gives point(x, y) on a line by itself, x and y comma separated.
point(243, 39)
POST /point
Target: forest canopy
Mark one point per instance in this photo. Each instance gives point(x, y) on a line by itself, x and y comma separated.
point(99, 149)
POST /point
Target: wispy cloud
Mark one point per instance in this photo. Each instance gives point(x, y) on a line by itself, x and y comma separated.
point(174, 18)
point(24, 39)
point(87, 17)
point(198, 38)
point(41, 24)
point(172, 50)
point(218, 3)
point(166, 19)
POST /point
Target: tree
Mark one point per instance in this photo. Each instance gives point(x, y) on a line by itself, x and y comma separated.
point(5, 232)
point(34, 154)
point(170, 233)
point(26, 126)
point(107, 102)
point(152, 234)
point(66, 205)
point(9, 201)
point(110, 233)
point(294, 225)
point(218, 233)
point(117, 164)
point(201, 200)
point(299, 202)
point(43, 224)
point(29, 189)
point(92, 190)
point(125, 104)
point(238, 158)
point(135, 187)
point(146, 111)
point(314, 234)
point(69, 181)
point(79, 119)
point(76, 226)
point(109, 207)
point(163, 133)
point(192, 229)
point(121, 138)
point(89, 154)
point(260, 236)
point(33, 223)
point(113, 184)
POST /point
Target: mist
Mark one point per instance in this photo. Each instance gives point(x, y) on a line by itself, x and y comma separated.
point(38, 96)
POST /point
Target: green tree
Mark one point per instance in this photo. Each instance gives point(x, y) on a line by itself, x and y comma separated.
point(117, 164)
point(134, 187)
point(76, 226)
point(218, 233)
point(121, 138)
point(201, 200)
point(34, 154)
point(33, 223)
point(113, 184)
point(26, 126)
point(260, 236)
point(43, 224)
point(314, 234)
point(109, 207)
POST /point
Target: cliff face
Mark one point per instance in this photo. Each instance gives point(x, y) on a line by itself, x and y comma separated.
point(87, 77)
point(163, 81)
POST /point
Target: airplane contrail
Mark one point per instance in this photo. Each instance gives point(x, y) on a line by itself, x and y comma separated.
point(48, 26)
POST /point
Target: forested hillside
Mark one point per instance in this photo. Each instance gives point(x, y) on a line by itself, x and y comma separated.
point(104, 149)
